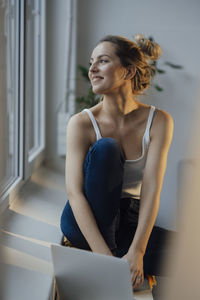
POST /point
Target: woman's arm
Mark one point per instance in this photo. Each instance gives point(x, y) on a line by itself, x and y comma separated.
point(78, 143)
point(153, 179)
point(161, 137)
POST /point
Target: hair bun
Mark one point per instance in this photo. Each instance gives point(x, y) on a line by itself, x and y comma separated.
point(150, 48)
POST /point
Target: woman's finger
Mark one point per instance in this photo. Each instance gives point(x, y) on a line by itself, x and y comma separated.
point(134, 275)
point(138, 281)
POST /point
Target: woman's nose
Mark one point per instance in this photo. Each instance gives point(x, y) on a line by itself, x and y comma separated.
point(93, 67)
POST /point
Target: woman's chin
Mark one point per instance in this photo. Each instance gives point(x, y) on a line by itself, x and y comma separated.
point(97, 90)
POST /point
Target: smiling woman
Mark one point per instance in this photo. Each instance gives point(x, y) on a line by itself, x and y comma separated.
point(116, 160)
point(105, 70)
point(113, 51)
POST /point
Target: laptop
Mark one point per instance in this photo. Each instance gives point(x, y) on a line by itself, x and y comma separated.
point(85, 275)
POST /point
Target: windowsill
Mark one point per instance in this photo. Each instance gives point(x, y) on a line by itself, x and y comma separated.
point(29, 226)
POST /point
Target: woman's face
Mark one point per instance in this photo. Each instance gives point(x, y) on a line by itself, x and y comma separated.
point(106, 72)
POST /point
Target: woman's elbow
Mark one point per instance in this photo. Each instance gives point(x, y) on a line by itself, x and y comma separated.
point(74, 194)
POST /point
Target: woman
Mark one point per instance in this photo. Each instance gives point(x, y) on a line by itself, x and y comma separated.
point(116, 160)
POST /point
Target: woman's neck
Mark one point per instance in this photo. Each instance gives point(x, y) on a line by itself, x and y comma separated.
point(118, 106)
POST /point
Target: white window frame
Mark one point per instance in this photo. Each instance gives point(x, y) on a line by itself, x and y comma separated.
point(26, 163)
point(19, 120)
point(32, 159)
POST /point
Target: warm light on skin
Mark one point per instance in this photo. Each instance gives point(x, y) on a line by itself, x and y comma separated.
point(105, 63)
point(115, 84)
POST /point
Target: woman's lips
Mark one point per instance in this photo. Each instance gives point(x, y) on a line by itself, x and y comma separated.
point(96, 79)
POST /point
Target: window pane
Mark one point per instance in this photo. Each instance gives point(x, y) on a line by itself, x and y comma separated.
point(33, 73)
point(9, 91)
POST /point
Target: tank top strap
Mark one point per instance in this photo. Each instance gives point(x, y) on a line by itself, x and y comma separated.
point(94, 123)
point(149, 122)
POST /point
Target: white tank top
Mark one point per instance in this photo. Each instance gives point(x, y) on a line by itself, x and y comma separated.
point(133, 169)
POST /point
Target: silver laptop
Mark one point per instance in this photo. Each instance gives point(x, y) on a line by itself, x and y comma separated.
point(86, 275)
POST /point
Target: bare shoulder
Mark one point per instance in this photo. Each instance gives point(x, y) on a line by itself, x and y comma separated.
point(79, 119)
point(163, 118)
point(164, 115)
point(79, 129)
point(162, 123)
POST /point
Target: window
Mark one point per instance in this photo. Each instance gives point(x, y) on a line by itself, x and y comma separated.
point(22, 97)
point(9, 93)
point(34, 77)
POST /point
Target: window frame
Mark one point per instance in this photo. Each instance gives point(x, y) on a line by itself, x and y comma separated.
point(33, 159)
point(25, 164)
point(4, 193)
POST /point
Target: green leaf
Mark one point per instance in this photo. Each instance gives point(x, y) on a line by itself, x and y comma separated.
point(154, 63)
point(160, 71)
point(80, 99)
point(151, 38)
point(84, 72)
point(158, 88)
point(173, 65)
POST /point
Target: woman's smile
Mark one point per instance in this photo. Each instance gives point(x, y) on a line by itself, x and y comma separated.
point(96, 78)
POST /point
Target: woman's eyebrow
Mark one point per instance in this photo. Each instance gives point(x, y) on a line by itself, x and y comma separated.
point(101, 56)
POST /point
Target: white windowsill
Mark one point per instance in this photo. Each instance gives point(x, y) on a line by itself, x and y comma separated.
point(29, 226)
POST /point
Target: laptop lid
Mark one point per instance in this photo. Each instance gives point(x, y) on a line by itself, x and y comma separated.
point(81, 274)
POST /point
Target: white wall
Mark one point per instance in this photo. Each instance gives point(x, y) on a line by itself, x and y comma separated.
point(176, 26)
point(59, 87)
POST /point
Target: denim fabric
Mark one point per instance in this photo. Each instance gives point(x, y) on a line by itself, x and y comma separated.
point(116, 218)
point(103, 177)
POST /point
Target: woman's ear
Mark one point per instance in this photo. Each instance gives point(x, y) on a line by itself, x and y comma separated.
point(131, 70)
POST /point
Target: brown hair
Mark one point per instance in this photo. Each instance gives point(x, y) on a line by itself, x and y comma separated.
point(136, 53)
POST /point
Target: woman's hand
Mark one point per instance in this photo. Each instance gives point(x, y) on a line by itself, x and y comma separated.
point(135, 261)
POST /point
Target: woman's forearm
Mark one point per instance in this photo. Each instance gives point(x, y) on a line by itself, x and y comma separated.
point(88, 225)
point(147, 215)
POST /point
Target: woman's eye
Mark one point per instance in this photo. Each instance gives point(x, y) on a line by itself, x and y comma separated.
point(103, 60)
point(100, 61)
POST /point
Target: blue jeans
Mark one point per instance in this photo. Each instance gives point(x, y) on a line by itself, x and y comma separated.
point(103, 178)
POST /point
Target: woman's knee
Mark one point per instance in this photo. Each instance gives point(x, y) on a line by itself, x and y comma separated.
point(108, 148)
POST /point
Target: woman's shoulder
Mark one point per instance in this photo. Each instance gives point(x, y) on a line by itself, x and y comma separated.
point(80, 119)
point(162, 122)
point(81, 122)
point(162, 116)
point(82, 116)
